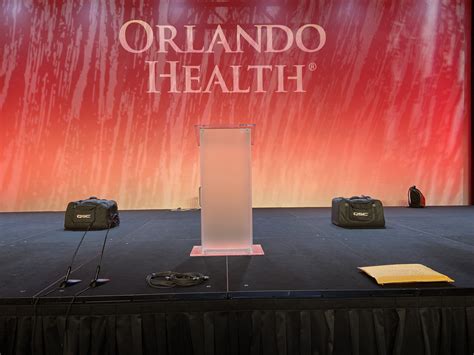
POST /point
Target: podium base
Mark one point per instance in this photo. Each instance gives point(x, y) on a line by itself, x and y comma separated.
point(255, 250)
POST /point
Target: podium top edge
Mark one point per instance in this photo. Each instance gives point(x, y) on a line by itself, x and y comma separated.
point(244, 125)
point(198, 129)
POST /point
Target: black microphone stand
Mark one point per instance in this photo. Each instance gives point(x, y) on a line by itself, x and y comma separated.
point(96, 282)
point(67, 282)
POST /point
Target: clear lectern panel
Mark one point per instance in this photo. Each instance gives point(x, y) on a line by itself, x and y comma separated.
point(226, 191)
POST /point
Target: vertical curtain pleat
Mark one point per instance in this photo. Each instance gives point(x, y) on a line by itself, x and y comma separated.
point(459, 332)
point(391, 324)
point(244, 331)
point(269, 341)
point(98, 337)
point(378, 318)
point(209, 333)
point(161, 334)
point(400, 332)
point(328, 345)
point(355, 333)
point(234, 341)
point(305, 333)
point(470, 329)
point(136, 333)
point(23, 331)
point(39, 330)
point(111, 335)
point(414, 337)
point(220, 333)
point(123, 335)
point(84, 335)
point(281, 333)
point(71, 336)
point(196, 323)
point(430, 325)
point(446, 325)
point(342, 330)
point(179, 335)
point(11, 335)
point(293, 332)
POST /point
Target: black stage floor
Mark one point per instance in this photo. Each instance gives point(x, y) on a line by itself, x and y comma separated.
point(305, 255)
point(304, 296)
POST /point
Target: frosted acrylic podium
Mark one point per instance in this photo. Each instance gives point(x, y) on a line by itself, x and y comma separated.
point(225, 193)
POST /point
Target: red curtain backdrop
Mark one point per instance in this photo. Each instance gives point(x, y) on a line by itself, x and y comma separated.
point(386, 102)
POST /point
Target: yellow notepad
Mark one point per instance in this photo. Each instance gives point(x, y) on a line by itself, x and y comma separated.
point(402, 273)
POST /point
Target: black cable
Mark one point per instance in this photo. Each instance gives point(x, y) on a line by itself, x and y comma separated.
point(35, 308)
point(168, 279)
point(38, 296)
point(68, 311)
point(96, 281)
point(91, 285)
point(103, 245)
point(80, 242)
point(65, 282)
point(33, 333)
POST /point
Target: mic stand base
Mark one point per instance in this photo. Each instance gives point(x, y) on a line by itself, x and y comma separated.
point(98, 282)
point(69, 282)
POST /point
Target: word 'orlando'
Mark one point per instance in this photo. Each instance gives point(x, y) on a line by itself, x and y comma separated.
point(308, 38)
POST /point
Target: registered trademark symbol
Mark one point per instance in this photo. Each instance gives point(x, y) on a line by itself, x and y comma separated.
point(312, 66)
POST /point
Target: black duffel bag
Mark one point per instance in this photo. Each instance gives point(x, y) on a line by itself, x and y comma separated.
point(357, 212)
point(91, 214)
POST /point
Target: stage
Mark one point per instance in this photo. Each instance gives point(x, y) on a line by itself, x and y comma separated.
point(304, 295)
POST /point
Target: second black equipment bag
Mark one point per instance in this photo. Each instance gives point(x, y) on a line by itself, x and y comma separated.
point(357, 212)
point(91, 214)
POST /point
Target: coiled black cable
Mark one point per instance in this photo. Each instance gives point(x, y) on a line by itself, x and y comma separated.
point(169, 279)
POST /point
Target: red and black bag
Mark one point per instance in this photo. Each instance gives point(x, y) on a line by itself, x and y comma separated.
point(415, 198)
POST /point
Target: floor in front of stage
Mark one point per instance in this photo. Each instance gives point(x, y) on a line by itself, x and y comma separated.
point(305, 255)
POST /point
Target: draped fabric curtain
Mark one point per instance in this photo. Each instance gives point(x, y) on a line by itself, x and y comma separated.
point(407, 330)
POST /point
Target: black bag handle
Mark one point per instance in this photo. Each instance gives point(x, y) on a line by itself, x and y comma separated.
point(361, 197)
